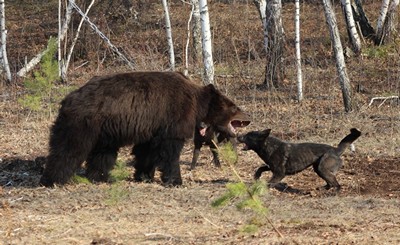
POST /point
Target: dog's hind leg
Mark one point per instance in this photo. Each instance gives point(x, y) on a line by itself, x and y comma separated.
point(327, 169)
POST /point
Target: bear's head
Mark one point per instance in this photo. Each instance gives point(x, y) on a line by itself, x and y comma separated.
point(223, 114)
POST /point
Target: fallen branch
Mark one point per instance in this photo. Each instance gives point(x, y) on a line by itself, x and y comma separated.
point(393, 97)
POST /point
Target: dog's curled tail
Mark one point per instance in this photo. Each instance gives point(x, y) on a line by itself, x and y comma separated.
point(346, 141)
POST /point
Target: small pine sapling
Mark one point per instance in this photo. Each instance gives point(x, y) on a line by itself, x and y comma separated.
point(245, 197)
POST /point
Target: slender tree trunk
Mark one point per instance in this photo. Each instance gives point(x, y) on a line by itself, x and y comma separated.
point(206, 43)
point(274, 69)
point(77, 35)
point(59, 56)
point(186, 71)
point(262, 8)
point(367, 30)
point(298, 54)
point(351, 26)
point(382, 17)
point(196, 31)
point(339, 56)
point(168, 29)
point(3, 50)
point(389, 24)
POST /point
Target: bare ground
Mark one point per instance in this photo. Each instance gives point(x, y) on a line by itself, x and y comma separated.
point(366, 211)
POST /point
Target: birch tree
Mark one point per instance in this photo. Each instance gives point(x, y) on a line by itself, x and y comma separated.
point(71, 49)
point(262, 7)
point(274, 69)
point(367, 30)
point(339, 56)
point(206, 43)
point(3, 51)
point(169, 36)
point(386, 25)
point(298, 54)
point(351, 26)
point(196, 31)
point(382, 17)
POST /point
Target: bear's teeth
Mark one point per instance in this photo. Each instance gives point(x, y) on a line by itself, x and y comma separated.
point(232, 128)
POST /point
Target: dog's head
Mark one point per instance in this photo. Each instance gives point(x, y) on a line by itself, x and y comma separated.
point(254, 140)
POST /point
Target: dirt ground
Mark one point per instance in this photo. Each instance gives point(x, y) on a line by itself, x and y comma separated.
point(366, 211)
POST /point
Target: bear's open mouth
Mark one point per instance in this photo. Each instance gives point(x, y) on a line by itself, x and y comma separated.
point(236, 123)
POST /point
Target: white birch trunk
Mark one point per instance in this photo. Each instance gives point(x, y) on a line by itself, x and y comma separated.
point(384, 33)
point(206, 42)
point(77, 35)
point(262, 7)
point(169, 36)
point(298, 54)
point(196, 30)
point(351, 26)
point(4, 40)
point(186, 71)
point(339, 56)
point(59, 56)
point(382, 17)
point(35, 60)
point(275, 69)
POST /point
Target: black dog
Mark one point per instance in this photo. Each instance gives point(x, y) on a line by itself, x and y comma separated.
point(283, 158)
point(208, 135)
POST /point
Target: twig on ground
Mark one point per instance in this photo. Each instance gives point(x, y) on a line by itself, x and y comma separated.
point(159, 235)
point(384, 98)
point(209, 221)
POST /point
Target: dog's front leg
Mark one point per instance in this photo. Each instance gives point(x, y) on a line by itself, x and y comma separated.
point(260, 170)
point(278, 162)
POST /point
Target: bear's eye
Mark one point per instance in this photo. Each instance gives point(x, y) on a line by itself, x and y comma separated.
point(234, 109)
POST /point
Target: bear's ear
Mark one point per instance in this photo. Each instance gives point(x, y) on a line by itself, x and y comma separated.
point(210, 87)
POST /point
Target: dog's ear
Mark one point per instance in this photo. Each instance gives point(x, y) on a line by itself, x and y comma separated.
point(266, 132)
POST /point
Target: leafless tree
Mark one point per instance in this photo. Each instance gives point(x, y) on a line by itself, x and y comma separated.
point(196, 31)
point(3, 52)
point(351, 26)
point(206, 43)
point(71, 49)
point(274, 71)
point(261, 6)
point(298, 53)
point(386, 24)
point(168, 29)
point(339, 56)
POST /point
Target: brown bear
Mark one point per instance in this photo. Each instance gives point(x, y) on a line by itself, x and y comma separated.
point(154, 111)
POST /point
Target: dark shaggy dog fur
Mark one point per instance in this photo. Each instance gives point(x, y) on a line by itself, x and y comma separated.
point(283, 158)
point(155, 111)
point(208, 136)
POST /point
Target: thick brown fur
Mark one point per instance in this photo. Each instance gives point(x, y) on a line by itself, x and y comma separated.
point(210, 138)
point(284, 158)
point(155, 111)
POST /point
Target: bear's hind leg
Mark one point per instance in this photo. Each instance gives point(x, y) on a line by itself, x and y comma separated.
point(169, 152)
